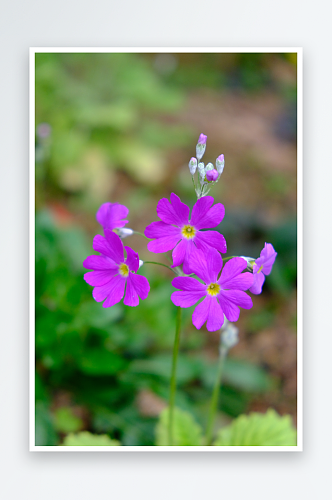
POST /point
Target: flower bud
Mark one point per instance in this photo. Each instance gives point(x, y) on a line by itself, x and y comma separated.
point(220, 163)
point(201, 172)
point(250, 262)
point(229, 337)
point(140, 263)
point(192, 165)
point(123, 232)
point(212, 175)
point(201, 146)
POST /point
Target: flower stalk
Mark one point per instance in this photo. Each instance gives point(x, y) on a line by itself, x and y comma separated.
point(173, 375)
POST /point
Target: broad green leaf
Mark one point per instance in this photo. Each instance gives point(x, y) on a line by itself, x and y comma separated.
point(65, 420)
point(258, 429)
point(87, 439)
point(186, 432)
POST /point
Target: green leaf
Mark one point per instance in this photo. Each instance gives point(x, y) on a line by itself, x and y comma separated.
point(87, 439)
point(45, 433)
point(101, 362)
point(246, 376)
point(258, 429)
point(186, 432)
point(65, 421)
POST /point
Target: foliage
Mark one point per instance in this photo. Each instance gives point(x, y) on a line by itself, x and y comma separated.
point(116, 121)
point(87, 439)
point(186, 431)
point(256, 429)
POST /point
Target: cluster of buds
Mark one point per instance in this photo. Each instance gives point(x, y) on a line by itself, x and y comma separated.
point(207, 175)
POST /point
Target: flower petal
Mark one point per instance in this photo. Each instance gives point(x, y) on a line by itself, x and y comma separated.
point(188, 284)
point(99, 263)
point(179, 253)
point(230, 300)
point(189, 257)
point(267, 258)
point(163, 244)
point(181, 209)
point(115, 244)
point(203, 216)
point(100, 245)
point(141, 285)
point(172, 214)
point(231, 272)
point(201, 313)
point(132, 260)
point(210, 239)
point(216, 316)
point(160, 230)
point(258, 281)
point(109, 215)
point(114, 289)
point(198, 265)
point(185, 298)
point(131, 297)
point(99, 278)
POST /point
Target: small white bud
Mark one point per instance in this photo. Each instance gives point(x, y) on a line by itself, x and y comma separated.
point(220, 163)
point(193, 165)
point(250, 262)
point(123, 232)
point(201, 146)
point(229, 337)
point(140, 263)
point(209, 166)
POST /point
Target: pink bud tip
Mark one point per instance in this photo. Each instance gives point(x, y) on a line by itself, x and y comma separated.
point(221, 158)
point(202, 139)
point(212, 175)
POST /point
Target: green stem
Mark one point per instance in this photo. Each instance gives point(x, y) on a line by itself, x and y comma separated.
point(158, 264)
point(141, 234)
point(173, 375)
point(214, 399)
point(225, 259)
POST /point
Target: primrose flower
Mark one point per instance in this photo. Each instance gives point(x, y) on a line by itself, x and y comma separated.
point(112, 272)
point(111, 215)
point(262, 267)
point(222, 296)
point(176, 230)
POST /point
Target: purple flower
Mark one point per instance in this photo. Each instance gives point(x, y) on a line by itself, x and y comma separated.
point(176, 229)
point(222, 296)
point(262, 267)
point(109, 215)
point(212, 175)
point(111, 272)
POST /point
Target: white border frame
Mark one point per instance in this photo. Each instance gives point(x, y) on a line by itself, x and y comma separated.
point(118, 449)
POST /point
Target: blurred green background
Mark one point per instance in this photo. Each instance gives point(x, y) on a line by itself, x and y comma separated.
point(122, 128)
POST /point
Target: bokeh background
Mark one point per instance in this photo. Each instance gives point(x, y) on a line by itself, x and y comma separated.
point(122, 128)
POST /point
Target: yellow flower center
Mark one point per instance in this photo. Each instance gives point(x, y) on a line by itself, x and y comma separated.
point(213, 289)
point(259, 270)
point(188, 232)
point(124, 270)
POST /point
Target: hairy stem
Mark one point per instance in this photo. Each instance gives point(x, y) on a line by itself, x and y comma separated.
point(141, 234)
point(158, 264)
point(173, 375)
